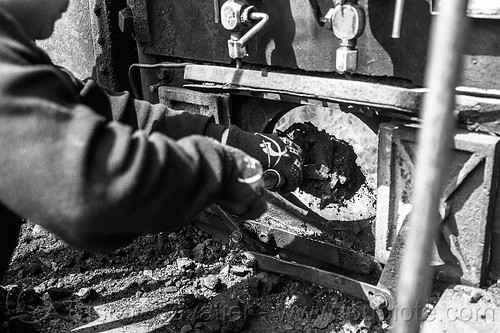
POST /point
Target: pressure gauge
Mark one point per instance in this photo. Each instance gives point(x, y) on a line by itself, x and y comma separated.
point(231, 15)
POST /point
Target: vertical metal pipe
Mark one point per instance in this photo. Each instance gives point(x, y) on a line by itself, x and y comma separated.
point(434, 142)
point(217, 11)
point(398, 17)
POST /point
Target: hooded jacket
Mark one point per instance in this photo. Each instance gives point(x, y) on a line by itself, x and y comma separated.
point(94, 167)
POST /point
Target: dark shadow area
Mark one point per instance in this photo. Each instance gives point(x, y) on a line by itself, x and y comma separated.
point(409, 52)
point(117, 49)
point(279, 30)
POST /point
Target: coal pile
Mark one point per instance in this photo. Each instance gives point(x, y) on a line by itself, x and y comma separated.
point(329, 167)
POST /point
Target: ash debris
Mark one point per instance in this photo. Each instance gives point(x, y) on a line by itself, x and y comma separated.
point(330, 170)
point(186, 281)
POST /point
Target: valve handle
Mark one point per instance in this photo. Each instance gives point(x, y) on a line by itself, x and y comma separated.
point(236, 16)
point(398, 17)
point(217, 11)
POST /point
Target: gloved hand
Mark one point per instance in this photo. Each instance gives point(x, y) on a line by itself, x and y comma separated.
point(242, 185)
point(274, 152)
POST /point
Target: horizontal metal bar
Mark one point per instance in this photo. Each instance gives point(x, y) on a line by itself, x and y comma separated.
point(339, 90)
point(474, 106)
point(344, 284)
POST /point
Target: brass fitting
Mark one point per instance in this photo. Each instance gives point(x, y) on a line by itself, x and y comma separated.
point(347, 21)
point(346, 57)
point(237, 16)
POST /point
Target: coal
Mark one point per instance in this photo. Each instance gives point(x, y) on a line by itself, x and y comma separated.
point(185, 263)
point(31, 297)
point(34, 269)
point(199, 252)
point(57, 294)
point(87, 294)
point(171, 289)
point(235, 317)
point(269, 283)
point(60, 308)
point(188, 300)
point(274, 284)
point(301, 300)
point(329, 170)
point(213, 326)
point(212, 282)
point(186, 329)
point(323, 320)
point(254, 286)
point(21, 323)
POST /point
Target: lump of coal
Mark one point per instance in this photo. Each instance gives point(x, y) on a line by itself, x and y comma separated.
point(329, 171)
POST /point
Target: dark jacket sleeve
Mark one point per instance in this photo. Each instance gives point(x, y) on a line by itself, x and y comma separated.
point(91, 180)
point(149, 117)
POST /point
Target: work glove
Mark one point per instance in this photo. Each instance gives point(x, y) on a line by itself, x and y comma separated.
point(275, 152)
point(242, 185)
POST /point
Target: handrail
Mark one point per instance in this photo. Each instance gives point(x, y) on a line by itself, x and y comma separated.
point(434, 142)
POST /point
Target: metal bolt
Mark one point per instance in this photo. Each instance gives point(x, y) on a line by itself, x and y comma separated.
point(155, 86)
point(264, 237)
point(249, 260)
point(378, 302)
point(165, 74)
point(236, 237)
point(366, 267)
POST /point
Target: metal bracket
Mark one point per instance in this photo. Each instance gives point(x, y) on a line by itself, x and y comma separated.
point(141, 20)
point(483, 9)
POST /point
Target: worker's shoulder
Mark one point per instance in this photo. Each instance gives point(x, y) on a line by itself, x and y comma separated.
point(15, 45)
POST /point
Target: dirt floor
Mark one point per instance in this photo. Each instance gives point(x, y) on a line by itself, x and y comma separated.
point(182, 282)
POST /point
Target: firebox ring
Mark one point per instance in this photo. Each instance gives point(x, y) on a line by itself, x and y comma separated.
point(334, 121)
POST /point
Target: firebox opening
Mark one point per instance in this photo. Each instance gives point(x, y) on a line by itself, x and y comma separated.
point(344, 189)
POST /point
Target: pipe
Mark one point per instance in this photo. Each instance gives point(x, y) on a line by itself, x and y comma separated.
point(398, 18)
point(217, 11)
point(434, 142)
point(263, 18)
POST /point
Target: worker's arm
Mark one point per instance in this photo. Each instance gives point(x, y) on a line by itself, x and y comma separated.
point(98, 184)
point(271, 150)
point(120, 106)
